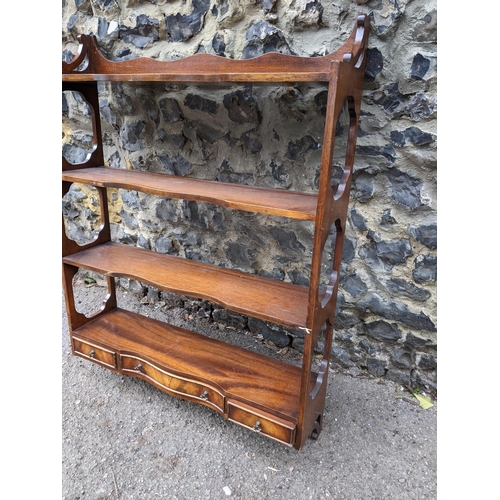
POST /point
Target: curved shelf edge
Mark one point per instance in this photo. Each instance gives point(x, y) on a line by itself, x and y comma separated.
point(272, 66)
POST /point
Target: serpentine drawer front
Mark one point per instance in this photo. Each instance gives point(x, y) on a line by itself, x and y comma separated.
point(262, 422)
point(90, 351)
point(173, 384)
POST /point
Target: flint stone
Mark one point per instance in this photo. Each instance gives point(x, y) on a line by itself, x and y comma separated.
point(426, 380)
point(349, 250)
point(128, 239)
point(166, 210)
point(413, 135)
point(144, 33)
point(384, 255)
point(403, 357)
point(369, 348)
point(128, 219)
point(277, 337)
point(427, 362)
point(286, 239)
point(425, 29)
point(357, 220)
point(395, 311)
point(298, 149)
point(399, 377)
point(345, 320)
point(320, 100)
point(425, 268)
point(414, 342)
point(390, 98)
point(425, 234)
point(251, 141)
point(404, 288)
point(164, 245)
point(268, 5)
point(374, 64)
point(376, 367)
point(238, 253)
point(242, 107)
point(131, 134)
point(418, 107)
point(178, 166)
point(194, 101)
point(263, 37)
point(227, 174)
point(298, 278)
point(105, 4)
point(172, 300)
point(354, 285)
point(74, 154)
point(275, 274)
point(130, 199)
point(102, 27)
point(341, 357)
point(363, 187)
point(387, 219)
point(394, 251)
point(143, 242)
point(387, 152)
point(383, 331)
point(170, 110)
point(219, 45)
point(419, 67)
point(72, 21)
point(310, 14)
point(229, 318)
point(182, 27)
point(405, 189)
point(67, 56)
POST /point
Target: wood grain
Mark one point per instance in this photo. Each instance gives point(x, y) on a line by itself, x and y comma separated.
point(270, 384)
point(263, 298)
point(292, 204)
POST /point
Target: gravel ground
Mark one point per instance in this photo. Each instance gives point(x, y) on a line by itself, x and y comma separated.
point(124, 439)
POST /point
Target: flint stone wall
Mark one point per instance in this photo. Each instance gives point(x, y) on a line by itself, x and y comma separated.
point(271, 136)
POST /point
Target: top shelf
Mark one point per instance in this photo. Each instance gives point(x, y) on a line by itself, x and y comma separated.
point(90, 65)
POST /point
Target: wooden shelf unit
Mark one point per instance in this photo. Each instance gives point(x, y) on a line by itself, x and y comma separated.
point(278, 400)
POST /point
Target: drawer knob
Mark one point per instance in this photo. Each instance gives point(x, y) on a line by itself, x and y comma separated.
point(138, 368)
point(92, 354)
point(257, 427)
point(204, 396)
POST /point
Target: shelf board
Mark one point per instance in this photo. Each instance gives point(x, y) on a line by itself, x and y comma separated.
point(237, 77)
point(263, 298)
point(292, 204)
point(270, 384)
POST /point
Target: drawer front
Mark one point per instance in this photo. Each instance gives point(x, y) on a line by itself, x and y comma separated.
point(90, 351)
point(258, 421)
point(173, 384)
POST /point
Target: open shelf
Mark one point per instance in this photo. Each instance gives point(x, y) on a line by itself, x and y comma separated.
point(277, 400)
point(292, 204)
point(263, 298)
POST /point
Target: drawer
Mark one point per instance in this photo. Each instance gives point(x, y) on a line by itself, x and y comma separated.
point(259, 421)
point(173, 384)
point(90, 351)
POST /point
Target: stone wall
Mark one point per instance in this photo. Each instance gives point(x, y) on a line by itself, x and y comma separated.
point(271, 136)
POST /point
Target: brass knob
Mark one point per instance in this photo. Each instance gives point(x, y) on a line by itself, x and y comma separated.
point(204, 396)
point(138, 368)
point(92, 354)
point(257, 427)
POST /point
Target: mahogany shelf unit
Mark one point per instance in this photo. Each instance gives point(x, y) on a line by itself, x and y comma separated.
point(278, 400)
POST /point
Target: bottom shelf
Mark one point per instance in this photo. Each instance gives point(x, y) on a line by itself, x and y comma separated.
point(248, 388)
